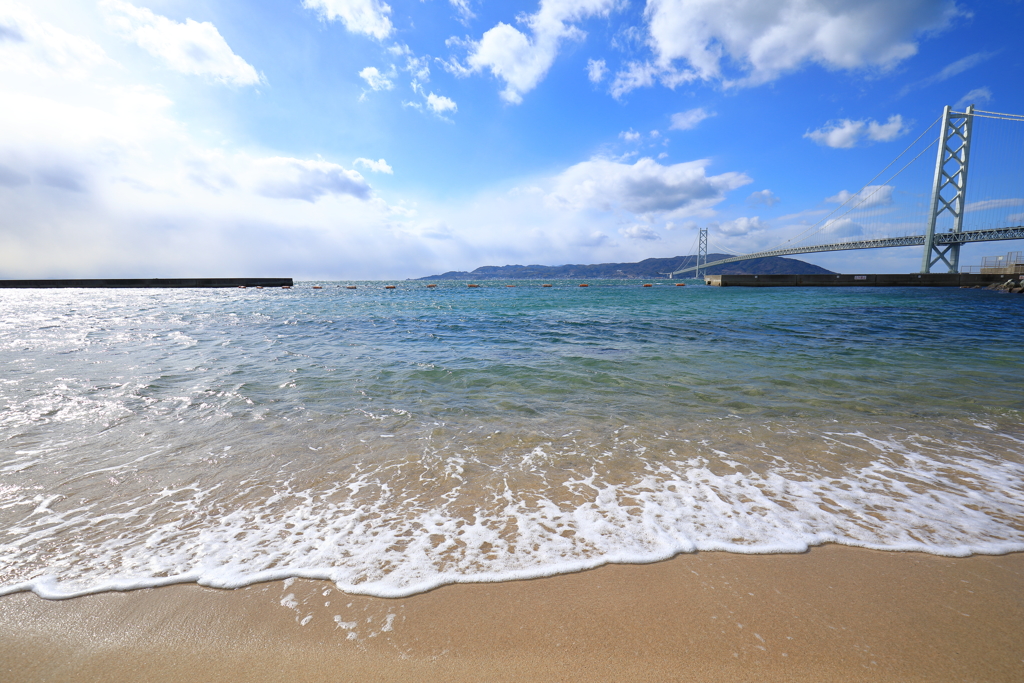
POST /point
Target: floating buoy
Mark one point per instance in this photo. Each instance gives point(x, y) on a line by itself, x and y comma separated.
point(648, 285)
point(680, 284)
point(389, 286)
point(429, 286)
point(350, 286)
point(317, 287)
point(472, 285)
point(547, 285)
point(584, 285)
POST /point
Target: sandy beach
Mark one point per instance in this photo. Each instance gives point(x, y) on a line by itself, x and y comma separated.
point(832, 614)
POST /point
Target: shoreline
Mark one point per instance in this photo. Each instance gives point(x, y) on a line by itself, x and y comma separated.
point(835, 613)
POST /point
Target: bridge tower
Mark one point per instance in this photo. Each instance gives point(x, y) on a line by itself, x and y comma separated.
point(702, 253)
point(949, 189)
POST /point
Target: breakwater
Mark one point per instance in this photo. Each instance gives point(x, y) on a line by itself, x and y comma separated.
point(144, 283)
point(862, 280)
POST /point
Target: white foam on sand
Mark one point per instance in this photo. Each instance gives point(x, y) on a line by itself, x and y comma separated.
point(393, 530)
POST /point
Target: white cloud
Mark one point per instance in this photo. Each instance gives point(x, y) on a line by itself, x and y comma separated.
point(596, 70)
point(452, 65)
point(375, 79)
point(766, 197)
point(31, 46)
point(846, 133)
point(739, 226)
point(885, 132)
point(630, 135)
point(843, 227)
point(950, 70)
point(195, 48)
point(368, 17)
point(462, 9)
point(379, 166)
point(593, 239)
point(284, 178)
point(765, 39)
point(687, 120)
point(842, 134)
point(419, 67)
point(960, 66)
point(522, 61)
point(635, 75)
point(101, 180)
point(870, 197)
point(440, 104)
point(640, 232)
point(11, 178)
point(988, 204)
point(644, 188)
point(978, 96)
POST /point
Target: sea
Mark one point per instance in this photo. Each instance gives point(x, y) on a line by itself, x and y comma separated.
point(396, 440)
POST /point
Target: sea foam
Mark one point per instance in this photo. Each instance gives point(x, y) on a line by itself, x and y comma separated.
point(402, 528)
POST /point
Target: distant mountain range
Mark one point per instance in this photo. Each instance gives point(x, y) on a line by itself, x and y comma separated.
point(648, 268)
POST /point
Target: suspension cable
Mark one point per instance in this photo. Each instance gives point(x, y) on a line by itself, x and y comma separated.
point(878, 188)
point(820, 224)
point(998, 115)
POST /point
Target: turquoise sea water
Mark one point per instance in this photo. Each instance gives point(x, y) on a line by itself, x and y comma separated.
point(396, 440)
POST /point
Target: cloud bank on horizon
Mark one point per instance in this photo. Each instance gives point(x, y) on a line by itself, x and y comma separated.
point(364, 139)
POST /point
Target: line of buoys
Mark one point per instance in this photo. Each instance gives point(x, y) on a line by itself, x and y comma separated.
point(432, 286)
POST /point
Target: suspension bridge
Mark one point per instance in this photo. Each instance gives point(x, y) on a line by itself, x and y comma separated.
point(878, 217)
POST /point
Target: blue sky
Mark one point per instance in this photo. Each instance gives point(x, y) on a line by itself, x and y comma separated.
point(357, 139)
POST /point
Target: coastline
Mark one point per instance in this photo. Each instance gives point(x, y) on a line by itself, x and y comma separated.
point(835, 613)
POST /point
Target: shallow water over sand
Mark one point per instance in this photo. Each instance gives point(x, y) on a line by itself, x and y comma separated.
point(395, 440)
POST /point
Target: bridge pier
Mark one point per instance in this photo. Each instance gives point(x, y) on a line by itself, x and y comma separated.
point(702, 253)
point(955, 153)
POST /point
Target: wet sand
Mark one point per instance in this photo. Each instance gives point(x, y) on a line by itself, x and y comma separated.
point(833, 614)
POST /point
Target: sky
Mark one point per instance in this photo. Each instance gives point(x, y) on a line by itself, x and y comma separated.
point(358, 139)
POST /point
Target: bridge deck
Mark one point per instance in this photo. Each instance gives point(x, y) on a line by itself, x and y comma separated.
point(967, 236)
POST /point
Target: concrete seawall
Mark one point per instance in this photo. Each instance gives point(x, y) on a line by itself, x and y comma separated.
point(879, 280)
point(145, 283)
